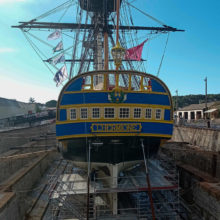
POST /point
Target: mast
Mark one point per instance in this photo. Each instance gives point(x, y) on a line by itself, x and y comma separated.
point(117, 26)
point(98, 28)
point(106, 51)
point(99, 50)
point(105, 31)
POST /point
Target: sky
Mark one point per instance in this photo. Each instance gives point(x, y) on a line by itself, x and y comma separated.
point(189, 58)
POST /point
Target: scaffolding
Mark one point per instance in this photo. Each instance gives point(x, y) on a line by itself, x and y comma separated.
point(68, 193)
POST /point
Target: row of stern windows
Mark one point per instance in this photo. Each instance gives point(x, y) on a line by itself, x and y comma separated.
point(115, 113)
point(110, 81)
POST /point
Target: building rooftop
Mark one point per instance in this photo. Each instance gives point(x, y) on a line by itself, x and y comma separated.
point(196, 106)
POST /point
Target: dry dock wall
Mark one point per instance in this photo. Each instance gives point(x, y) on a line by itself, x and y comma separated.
point(206, 139)
point(199, 176)
point(207, 197)
point(13, 201)
point(190, 157)
point(9, 167)
point(18, 137)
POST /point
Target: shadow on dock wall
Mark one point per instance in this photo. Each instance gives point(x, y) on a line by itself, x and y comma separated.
point(206, 139)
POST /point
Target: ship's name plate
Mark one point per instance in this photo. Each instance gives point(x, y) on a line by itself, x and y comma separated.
point(110, 128)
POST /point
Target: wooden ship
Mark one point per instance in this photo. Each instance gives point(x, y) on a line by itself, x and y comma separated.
point(109, 116)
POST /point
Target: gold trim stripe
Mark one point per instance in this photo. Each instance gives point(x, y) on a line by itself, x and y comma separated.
point(113, 134)
point(99, 105)
point(114, 120)
point(107, 91)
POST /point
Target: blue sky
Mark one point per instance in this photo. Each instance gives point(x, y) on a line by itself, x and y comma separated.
point(189, 58)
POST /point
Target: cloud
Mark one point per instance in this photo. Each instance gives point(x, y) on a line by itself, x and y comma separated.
point(6, 49)
point(10, 1)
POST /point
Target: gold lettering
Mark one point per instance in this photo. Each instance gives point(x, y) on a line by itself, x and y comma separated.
point(133, 128)
point(112, 128)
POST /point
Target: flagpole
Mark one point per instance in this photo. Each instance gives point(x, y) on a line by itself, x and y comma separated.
point(205, 92)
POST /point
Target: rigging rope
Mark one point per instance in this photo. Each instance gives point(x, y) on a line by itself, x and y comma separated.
point(144, 13)
point(75, 42)
point(133, 38)
point(38, 52)
point(42, 41)
point(54, 10)
point(64, 13)
point(84, 53)
point(158, 72)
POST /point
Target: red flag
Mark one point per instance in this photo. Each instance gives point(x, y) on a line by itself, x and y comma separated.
point(135, 53)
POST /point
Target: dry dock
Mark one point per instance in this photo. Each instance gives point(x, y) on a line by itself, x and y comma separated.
point(36, 183)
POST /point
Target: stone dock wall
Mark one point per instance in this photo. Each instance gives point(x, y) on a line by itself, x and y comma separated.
point(206, 139)
point(13, 203)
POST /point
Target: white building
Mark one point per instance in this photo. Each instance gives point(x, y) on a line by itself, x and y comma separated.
point(193, 112)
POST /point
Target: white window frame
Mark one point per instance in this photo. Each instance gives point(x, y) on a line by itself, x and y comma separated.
point(132, 82)
point(128, 112)
point(156, 113)
point(81, 113)
point(71, 113)
point(99, 112)
point(109, 108)
point(150, 113)
point(134, 112)
point(86, 86)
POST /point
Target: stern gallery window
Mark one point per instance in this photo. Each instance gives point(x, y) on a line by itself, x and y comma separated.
point(84, 113)
point(137, 112)
point(148, 113)
point(109, 112)
point(95, 113)
point(72, 114)
point(124, 113)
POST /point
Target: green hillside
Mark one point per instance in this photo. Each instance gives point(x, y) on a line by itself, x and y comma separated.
point(194, 99)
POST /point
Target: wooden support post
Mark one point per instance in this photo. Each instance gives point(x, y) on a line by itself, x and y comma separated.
point(115, 185)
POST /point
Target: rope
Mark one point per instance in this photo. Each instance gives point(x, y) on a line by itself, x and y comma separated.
point(144, 13)
point(44, 42)
point(35, 48)
point(84, 49)
point(79, 11)
point(64, 13)
point(63, 51)
point(158, 72)
point(37, 51)
point(58, 8)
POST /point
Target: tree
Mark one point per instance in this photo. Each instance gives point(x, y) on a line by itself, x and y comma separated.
point(195, 99)
point(51, 103)
point(31, 100)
